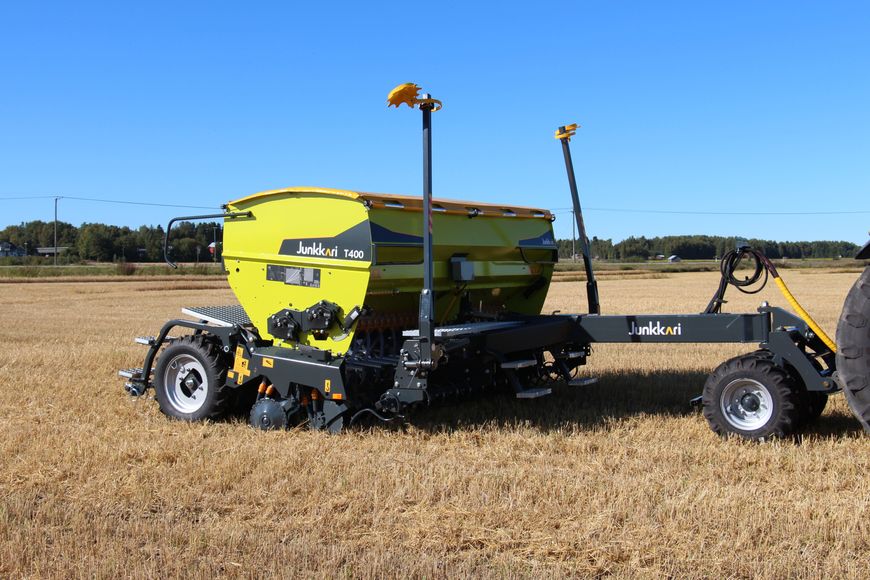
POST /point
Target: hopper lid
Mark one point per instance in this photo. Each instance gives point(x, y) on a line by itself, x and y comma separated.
point(410, 202)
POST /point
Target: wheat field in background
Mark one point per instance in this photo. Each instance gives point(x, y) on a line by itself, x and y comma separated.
point(622, 478)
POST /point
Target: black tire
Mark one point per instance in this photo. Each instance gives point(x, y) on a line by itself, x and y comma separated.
point(189, 380)
point(752, 397)
point(853, 349)
point(810, 404)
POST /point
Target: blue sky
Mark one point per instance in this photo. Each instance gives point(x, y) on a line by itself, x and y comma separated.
point(685, 106)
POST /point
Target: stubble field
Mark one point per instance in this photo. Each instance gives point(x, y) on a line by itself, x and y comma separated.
point(622, 478)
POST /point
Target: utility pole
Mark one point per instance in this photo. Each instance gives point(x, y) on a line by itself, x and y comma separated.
point(214, 236)
point(55, 230)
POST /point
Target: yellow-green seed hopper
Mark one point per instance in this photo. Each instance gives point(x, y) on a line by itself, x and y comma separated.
point(304, 245)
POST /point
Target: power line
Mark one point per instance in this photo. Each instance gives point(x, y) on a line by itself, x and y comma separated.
point(117, 201)
point(140, 202)
point(558, 210)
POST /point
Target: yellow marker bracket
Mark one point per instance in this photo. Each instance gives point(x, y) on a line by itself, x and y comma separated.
point(567, 132)
point(408, 94)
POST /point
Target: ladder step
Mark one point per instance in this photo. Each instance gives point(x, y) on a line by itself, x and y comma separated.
point(572, 355)
point(150, 340)
point(534, 393)
point(519, 364)
point(131, 373)
point(582, 381)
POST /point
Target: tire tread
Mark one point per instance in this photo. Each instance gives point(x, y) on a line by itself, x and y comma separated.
point(853, 349)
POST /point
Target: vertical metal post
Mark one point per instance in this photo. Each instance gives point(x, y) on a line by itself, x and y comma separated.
point(591, 284)
point(427, 296)
point(55, 230)
point(214, 236)
point(573, 237)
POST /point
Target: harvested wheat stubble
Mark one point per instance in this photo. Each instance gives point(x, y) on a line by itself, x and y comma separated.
point(622, 478)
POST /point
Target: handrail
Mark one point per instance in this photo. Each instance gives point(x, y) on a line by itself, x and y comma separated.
point(187, 218)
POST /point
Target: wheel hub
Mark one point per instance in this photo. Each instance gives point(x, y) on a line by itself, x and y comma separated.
point(746, 404)
point(186, 383)
point(750, 402)
point(191, 382)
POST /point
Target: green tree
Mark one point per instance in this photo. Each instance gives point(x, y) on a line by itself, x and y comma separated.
point(95, 242)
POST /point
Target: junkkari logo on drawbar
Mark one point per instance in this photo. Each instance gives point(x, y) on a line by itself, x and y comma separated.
point(657, 329)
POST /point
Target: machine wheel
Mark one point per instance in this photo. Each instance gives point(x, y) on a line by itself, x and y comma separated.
point(810, 404)
point(268, 415)
point(751, 397)
point(189, 380)
point(853, 349)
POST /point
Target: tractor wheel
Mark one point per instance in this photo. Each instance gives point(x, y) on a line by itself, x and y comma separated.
point(751, 397)
point(189, 380)
point(853, 349)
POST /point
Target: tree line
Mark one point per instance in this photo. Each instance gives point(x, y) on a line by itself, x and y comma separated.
point(189, 242)
point(705, 248)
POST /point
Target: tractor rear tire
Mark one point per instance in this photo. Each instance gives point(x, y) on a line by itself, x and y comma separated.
point(752, 397)
point(189, 380)
point(853, 349)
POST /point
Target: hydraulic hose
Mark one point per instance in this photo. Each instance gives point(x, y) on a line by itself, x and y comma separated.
point(762, 265)
point(803, 313)
point(728, 266)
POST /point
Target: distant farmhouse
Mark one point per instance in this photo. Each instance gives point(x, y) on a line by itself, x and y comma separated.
point(10, 250)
